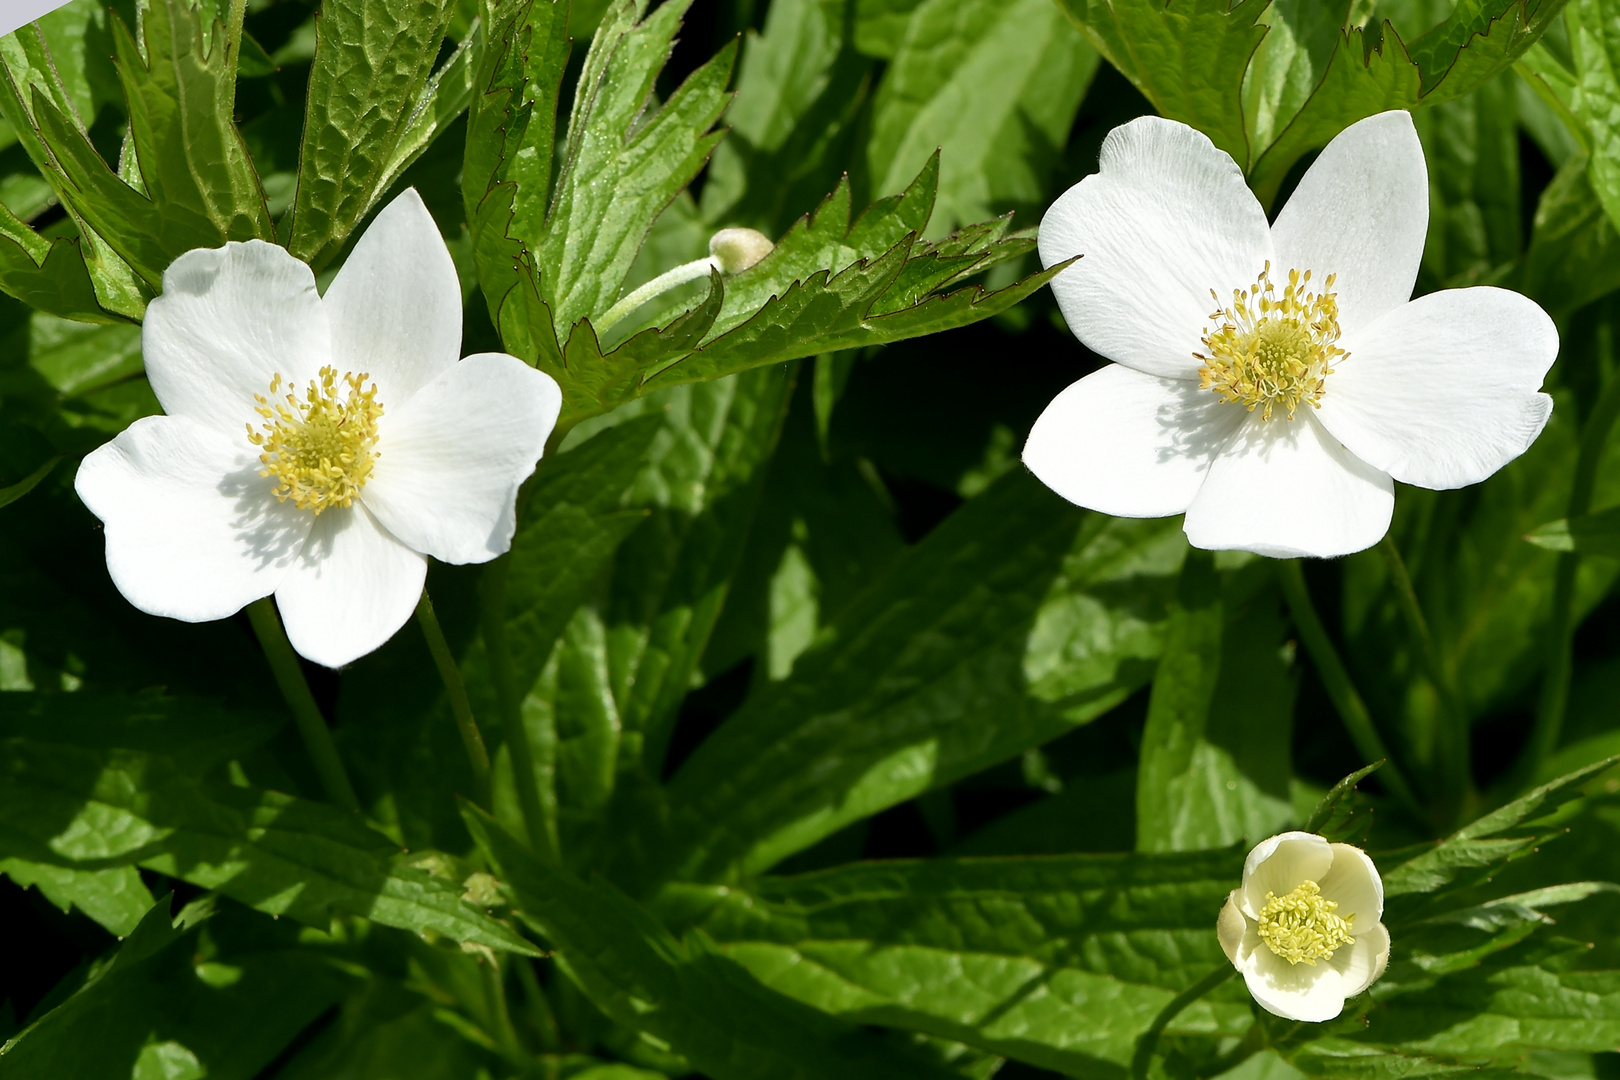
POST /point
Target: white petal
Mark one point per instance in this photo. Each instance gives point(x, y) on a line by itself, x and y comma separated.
point(1310, 992)
point(1130, 444)
point(1353, 883)
point(1167, 219)
point(351, 587)
point(193, 532)
point(396, 304)
point(1442, 392)
point(1231, 927)
point(1287, 488)
point(1278, 865)
point(1361, 212)
point(450, 461)
point(229, 319)
point(1362, 963)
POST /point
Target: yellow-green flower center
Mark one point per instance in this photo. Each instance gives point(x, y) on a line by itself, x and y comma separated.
point(1301, 927)
point(1268, 352)
point(320, 450)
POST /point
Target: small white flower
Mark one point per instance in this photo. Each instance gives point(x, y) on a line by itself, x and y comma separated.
point(1304, 927)
point(318, 448)
point(1270, 380)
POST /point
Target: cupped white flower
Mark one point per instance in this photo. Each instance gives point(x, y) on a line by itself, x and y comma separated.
point(315, 448)
point(1272, 381)
point(1304, 927)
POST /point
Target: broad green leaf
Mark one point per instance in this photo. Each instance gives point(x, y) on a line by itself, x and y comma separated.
point(1574, 254)
point(84, 793)
point(1342, 1059)
point(880, 24)
point(1590, 534)
point(1187, 57)
point(1301, 36)
point(1214, 760)
point(1019, 607)
point(991, 86)
point(1472, 149)
point(1495, 837)
point(386, 1032)
point(367, 91)
point(799, 89)
point(1594, 38)
point(1059, 962)
point(160, 1006)
point(445, 97)
point(12, 492)
point(684, 994)
point(621, 166)
point(116, 898)
point(48, 275)
point(1479, 40)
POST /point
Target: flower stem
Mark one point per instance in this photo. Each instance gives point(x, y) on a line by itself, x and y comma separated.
point(540, 824)
point(295, 689)
point(1341, 690)
point(661, 284)
point(471, 739)
point(1452, 749)
point(1148, 1041)
point(1555, 679)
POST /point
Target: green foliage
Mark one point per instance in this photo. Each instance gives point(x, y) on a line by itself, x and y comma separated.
point(826, 742)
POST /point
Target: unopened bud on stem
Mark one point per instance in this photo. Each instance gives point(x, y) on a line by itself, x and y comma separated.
point(731, 251)
point(735, 250)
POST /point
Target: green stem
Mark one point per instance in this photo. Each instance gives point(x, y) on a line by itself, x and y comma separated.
point(311, 724)
point(1148, 1041)
point(1341, 690)
point(460, 706)
point(698, 268)
point(1549, 722)
point(540, 825)
point(1456, 773)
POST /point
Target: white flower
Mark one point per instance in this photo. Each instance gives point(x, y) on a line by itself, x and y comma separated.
point(318, 448)
point(1304, 927)
point(1276, 422)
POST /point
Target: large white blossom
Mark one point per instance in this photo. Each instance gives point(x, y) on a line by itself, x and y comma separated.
point(1304, 928)
point(315, 447)
point(1270, 380)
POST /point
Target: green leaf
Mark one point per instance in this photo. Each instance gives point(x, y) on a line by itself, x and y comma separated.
point(1342, 1059)
point(48, 275)
point(1493, 838)
point(1472, 149)
point(1479, 40)
point(683, 994)
point(880, 24)
point(445, 97)
point(13, 492)
point(1574, 254)
point(1335, 816)
point(1058, 962)
point(368, 91)
point(92, 792)
point(1187, 57)
point(1300, 39)
point(1019, 607)
point(1589, 534)
point(116, 899)
point(158, 1005)
point(620, 166)
point(993, 87)
point(800, 89)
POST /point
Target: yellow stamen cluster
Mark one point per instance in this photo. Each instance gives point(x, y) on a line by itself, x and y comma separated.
point(1268, 352)
point(320, 450)
point(1302, 927)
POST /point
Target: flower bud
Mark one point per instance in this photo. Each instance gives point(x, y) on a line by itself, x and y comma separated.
point(735, 250)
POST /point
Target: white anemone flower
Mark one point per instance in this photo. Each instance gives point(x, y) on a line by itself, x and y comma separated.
point(1304, 927)
point(315, 447)
point(1270, 380)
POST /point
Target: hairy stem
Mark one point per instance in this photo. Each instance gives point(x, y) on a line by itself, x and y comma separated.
point(697, 268)
point(295, 689)
point(1341, 690)
point(471, 738)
